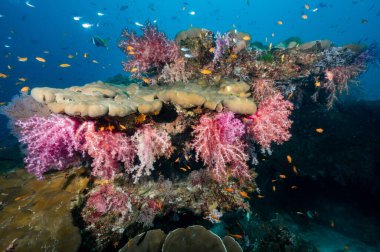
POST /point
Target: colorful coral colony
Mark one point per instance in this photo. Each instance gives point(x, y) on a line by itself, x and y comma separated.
point(195, 115)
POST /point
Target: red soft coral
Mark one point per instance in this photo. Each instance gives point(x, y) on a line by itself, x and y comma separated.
point(107, 149)
point(217, 141)
point(152, 50)
point(150, 144)
point(271, 122)
point(106, 198)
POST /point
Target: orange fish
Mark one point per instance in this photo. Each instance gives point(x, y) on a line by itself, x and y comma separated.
point(3, 75)
point(246, 38)
point(25, 89)
point(183, 169)
point(244, 195)
point(22, 59)
point(304, 16)
point(122, 127)
point(177, 160)
point(110, 127)
point(146, 80)
point(282, 176)
point(260, 196)
point(130, 48)
point(307, 7)
point(279, 22)
point(85, 55)
point(230, 190)
point(140, 119)
point(64, 65)
point(133, 70)
point(212, 49)
point(274, 188)
point(319, 130)
point(236, 236)
point(289, 158)
point(41, 59)
point(206, 72)
point(295, 170)
point(131, 53)
point(317, 84)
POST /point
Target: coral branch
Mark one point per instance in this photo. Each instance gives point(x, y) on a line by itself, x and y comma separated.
point(217, 141)
point(271, 122)
point(150, 144)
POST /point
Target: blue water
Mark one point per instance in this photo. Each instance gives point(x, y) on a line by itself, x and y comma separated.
point(29, 29)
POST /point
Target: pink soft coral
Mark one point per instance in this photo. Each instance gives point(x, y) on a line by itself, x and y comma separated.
point(106, 198)
point(150, 144)
point(107, 149)
point(271, 122)
point(151, 50)
point(217, 141)
point(51, 142)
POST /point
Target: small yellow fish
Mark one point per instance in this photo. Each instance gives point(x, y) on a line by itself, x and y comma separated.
point(24, 89)
point(22, 59)
point(131, 53)
point(233, 56)
point(122, 127)
point(101, 128)
point(22, 79)
point(188, 167)
point(307, 7)
point(212, 49)
point(295, 170)
point(289, 158)
point(130, 48)
point(282, 176)
point(140, 119)
point(317, 84)
point(85, 55)
point(319, 130)
point(183, 169)
point(110, 127)
point(64, 65)
point(146, 80)
point(304, 16)
point(9, 67)
point(230, 190)
point(177, 160)
point(244, 195)
point(282, 58)
point(246, 38)
point(40, 59)
point(279, 22)
point(206, 71)
point(274, 188)
point(3, 76)
point(134, 70)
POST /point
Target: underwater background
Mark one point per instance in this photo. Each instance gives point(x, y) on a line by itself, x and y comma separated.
point(335, 207)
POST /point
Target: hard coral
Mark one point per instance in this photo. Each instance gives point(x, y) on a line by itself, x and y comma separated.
point(217, 141)
point(150, 51)
point(150, 144)
point(107, 149)
point(271, 122)
point(51, 142)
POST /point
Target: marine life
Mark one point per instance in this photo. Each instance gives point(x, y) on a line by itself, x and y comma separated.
point(40, 59)
point(206, 71)
point(319, 130)
point(279, 22)
point(25, 89)
point(22, 59)
point(3, 76)
point(99, 42)
point(64, 65)
point(87, 25)
point(304, 16)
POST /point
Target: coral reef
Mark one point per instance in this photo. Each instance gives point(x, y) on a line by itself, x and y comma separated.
point(177, 139)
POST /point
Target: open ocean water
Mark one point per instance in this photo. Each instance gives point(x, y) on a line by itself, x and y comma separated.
point(316, 191)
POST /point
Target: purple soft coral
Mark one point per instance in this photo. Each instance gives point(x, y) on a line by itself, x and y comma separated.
point(151, 50)
point(150, 144)
point(107, 149)
point(106, 198)
point(217, 141)
point(51, 142)
point(222, 42)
